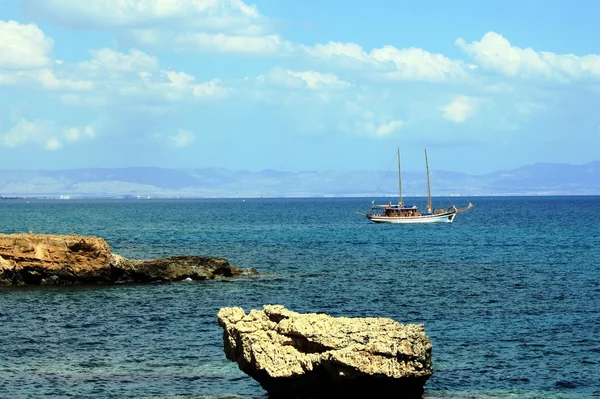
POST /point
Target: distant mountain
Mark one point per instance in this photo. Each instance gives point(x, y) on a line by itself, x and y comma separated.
point(536, 179)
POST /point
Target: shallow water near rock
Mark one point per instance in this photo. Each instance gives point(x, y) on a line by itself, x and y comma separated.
point(509, 294)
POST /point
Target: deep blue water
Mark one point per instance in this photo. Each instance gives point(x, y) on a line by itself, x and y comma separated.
point(509, 294)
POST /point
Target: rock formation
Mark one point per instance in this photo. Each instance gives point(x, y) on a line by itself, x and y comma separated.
point(316, 355)
point(35, 259)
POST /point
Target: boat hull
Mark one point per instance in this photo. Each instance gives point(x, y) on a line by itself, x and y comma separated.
point(441, 218)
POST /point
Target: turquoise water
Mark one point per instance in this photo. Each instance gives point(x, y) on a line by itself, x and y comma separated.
point(509, 294)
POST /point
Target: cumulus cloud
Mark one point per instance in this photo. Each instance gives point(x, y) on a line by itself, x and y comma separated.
point(53, 144)
point(388, 128)
point(162, 88)
point(74, 134)
point(25, 60)
point(110, 60)
point(316, 80)
point(45, 79)
point(496, 53)
point(23, 46)
point(368, 117)
point(228, 26)
point(222, 43)
point(210, 42)
point(312, 84)
point(333, 49)
point(459, 110)
point(120, 78)
point(111, 14)
point(44, 134)
point(179, 86)
point(310, 79)
point(182, 139)
point(391, 62)
point(171, 86)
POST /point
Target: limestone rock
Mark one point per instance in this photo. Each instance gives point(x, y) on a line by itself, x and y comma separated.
point(316, 355)
point(36, 259)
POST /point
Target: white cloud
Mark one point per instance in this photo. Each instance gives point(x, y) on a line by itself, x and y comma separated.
point(170, 86)
point(313, 87)
point(43, 78)
point(230, 44)
point(159, 89)
point(23, 46)
point(119, 78)
point(109, 60)
point(368, 114)
point(228, 26)
point(418, 64)
point(303, 79)
point(181, 86)
point(459, 110)
point(388, 128)
point(389, 61)
point(44, 134)
point(496, 53)
point(22, 133)
point(317, 80)
point(25, 60)
point(183, 138)
point(110, 14)
point(49, 81)
point(53, 144)
point(334, 49)
point(74, 134)
point(193, 41)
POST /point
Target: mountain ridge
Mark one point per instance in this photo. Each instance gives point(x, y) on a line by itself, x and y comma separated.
point(533, 179)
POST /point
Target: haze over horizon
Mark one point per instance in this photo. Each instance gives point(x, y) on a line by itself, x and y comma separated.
point(298, 86)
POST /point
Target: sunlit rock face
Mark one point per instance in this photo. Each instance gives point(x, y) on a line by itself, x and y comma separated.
point(44, 259)
point(316, 355)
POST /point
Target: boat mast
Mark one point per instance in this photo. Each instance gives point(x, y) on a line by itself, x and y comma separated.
point(399, 182)
point(429, 206)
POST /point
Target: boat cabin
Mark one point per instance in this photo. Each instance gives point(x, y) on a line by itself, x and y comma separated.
point(398, 210)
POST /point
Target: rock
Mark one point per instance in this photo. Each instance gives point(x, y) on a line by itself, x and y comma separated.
point(173, 269)
point(316, 355)
point(38, 259)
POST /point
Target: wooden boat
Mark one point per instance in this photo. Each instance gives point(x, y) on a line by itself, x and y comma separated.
point(400, 213)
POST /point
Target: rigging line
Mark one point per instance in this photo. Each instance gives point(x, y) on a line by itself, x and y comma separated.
point(392, 163)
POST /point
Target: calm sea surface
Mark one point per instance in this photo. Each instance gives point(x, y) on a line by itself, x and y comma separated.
point(509, 294)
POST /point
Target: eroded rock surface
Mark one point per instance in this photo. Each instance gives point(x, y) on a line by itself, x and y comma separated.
point(316, 355)
point(35, 259)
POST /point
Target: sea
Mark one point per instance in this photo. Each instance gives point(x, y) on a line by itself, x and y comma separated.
point(509, 293)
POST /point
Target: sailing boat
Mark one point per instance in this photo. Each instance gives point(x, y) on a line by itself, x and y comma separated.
point(401, 213)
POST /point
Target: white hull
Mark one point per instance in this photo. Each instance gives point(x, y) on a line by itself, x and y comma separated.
point(401, 214)
point(441, 218)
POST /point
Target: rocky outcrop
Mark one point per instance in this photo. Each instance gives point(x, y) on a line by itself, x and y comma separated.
point(36, 259)
point(316, 355)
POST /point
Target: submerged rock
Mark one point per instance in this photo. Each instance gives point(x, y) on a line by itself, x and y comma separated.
point(316, 355)
point(37, 259)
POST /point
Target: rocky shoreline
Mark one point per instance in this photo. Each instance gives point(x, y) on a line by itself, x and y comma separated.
point(311, 355)
point(45, 259)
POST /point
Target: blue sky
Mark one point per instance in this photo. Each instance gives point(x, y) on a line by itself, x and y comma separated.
point(298, 85)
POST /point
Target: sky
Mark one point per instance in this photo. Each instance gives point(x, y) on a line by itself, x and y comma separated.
point(298, 85)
